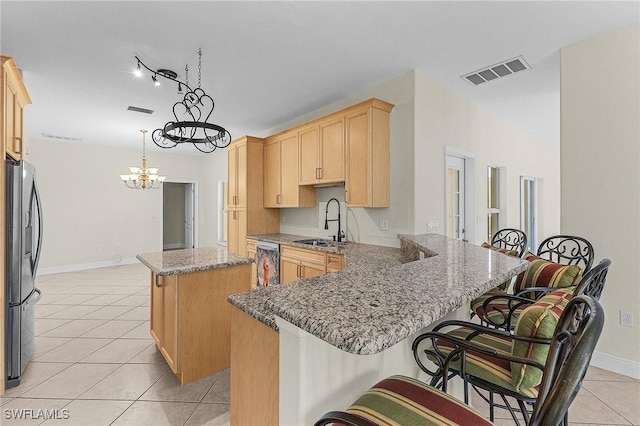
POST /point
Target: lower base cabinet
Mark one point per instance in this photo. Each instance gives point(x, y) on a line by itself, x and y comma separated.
point(255, 372)
point(191, 319)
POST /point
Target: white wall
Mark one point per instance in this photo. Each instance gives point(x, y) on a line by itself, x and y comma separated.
point(90, 216)
point(445, 119)
point(600, 154)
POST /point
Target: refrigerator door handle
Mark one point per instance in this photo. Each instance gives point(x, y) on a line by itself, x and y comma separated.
point(32, 301)
point(36, 258)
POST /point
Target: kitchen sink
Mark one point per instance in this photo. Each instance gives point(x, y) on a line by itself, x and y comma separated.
point(318, 243)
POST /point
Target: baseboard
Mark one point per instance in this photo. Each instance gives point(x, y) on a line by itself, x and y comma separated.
point(85, 266)
point(616, 364)
point(173, 246)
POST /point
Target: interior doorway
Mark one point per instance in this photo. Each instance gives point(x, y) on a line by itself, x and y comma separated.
point(459, 193)
point(179, 215)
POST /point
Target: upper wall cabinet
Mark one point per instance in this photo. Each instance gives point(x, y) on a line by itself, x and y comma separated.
point(13, 97)
point(281, 188)
point(367, 146)
point(246, 213)
point(322, 152)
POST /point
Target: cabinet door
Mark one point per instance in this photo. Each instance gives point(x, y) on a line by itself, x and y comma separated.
point(332, 151)
point(357, 190)
point(170, 321)
point(232, 234)
point(309, 161)
point(9, 110)
point(289, 171)
point(312, 270)
point(254, 271)
point(157, 302)
point(272, 172)
point(242, 176)
point(232, 176)
point(241, 216)
point(289, 270)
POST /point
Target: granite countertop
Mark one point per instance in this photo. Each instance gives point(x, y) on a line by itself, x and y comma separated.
point(385, 294)
point(357, 258)
point(175, 262)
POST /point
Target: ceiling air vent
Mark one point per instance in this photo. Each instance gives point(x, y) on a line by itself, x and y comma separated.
point(496, 71)
point(138, 109)
point(61, 138)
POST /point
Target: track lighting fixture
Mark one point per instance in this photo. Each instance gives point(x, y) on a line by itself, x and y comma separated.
point(197, 107)
point(138, 71)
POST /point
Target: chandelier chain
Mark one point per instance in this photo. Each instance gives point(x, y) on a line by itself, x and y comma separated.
point(199, 66)
point(186, 75)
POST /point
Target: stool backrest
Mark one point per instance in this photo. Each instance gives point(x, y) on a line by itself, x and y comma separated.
point(510, 239)
point(573, 343)
point(592, 282)
point(568, 250)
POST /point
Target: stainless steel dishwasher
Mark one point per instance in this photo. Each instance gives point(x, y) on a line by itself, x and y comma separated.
point(268, 263)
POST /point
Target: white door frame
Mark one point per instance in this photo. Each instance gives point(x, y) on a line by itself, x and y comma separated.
point(532, 240)
point(195, 208)
point(470, 189)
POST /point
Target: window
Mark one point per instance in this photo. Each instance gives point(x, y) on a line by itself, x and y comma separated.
point(493, 201)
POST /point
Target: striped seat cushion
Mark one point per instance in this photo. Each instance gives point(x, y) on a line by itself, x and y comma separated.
point(538, 320)
point(485, 367)
point(477, 306)
point(400, 400)
point(542, 273)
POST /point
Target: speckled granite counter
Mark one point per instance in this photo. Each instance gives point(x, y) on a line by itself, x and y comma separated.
point(190, 260)
point(358, 257)
point(379, 300)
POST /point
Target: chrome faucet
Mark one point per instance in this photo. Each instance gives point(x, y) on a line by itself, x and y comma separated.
point(326, 220)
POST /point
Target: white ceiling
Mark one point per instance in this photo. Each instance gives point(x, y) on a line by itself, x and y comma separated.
point(266, 62)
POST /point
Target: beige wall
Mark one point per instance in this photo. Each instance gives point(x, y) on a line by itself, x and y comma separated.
point(426, 120)
point(89, 215)
point(445, 119)
point(600, 154)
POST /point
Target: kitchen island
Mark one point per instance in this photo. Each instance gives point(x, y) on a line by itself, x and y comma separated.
point(339, 333)
point(190, 317)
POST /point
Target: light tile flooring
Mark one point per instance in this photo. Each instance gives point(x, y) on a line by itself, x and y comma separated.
point(94, 358)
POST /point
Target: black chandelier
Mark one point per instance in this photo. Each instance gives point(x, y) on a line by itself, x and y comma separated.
point(197, 106)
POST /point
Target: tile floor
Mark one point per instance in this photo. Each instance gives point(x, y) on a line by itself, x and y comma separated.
point(96, 363)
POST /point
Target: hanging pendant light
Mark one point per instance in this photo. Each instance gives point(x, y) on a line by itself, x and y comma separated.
point(143, 177)
point(195, 109)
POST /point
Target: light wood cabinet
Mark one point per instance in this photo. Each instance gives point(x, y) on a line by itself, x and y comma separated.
point(163, 317)
point(281, 188)
point(251, 252)
point(367, 152)
point(191, 319)
point(322, 152)
point(335, 262)
point(246, 213)
point(296, 264)
point(14, 97)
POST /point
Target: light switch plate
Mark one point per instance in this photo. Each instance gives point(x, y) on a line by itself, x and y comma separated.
point(432, 225)
point(383, 224)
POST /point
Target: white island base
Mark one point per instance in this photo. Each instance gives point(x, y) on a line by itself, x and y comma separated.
point(316, 377)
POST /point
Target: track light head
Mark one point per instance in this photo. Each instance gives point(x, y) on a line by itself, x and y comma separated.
point(138, 71)
point(155, 80)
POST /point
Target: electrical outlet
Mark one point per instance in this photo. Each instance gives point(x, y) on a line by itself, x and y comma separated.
point(626, 319)
point(432, 225)
point(315, 221)
point(383, 224)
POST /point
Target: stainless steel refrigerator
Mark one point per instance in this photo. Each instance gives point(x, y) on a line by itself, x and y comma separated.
point(24, 244)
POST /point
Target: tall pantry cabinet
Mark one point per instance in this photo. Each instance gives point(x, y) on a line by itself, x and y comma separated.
point(245, 212)
point(13, 98)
